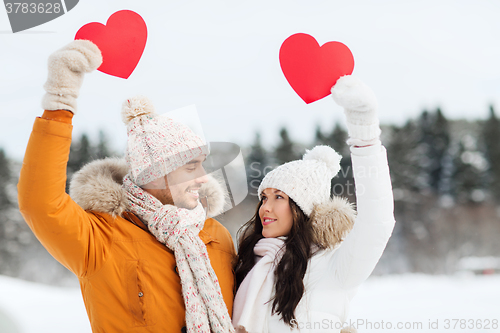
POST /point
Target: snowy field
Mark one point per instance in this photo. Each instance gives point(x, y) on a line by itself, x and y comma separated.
point(423, 303)
point(418, 302)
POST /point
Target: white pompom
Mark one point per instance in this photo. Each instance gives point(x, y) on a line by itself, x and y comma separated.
point(135, 107)
point(327, 155)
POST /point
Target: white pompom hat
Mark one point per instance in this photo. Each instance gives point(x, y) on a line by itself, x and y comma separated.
point(157, 145)
point(308, 183)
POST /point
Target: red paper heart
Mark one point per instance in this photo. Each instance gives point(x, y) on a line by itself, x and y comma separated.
point(121, 41)
point(312, 70)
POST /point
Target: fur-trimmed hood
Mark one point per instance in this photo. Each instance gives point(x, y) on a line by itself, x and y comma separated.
point(332, 221)
point(98, 187)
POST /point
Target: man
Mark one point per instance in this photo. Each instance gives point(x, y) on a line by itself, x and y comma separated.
point(130, 281)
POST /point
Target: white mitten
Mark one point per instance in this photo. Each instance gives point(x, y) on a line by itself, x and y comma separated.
point(66, 69)
point(360, 108)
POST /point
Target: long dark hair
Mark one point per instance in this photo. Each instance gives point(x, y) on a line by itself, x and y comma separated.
point(289, 274)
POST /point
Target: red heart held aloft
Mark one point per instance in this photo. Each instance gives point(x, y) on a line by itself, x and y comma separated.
point(312, 70)
point(121, 41)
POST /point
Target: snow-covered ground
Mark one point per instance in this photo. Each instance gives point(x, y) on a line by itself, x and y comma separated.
point(38, 308)
point(420, 303)
point(423, 303)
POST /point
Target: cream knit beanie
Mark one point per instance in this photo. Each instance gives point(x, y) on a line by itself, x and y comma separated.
point(157, 145)
point(306, 181)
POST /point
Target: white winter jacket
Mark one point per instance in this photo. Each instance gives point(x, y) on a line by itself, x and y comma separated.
point(333, 276)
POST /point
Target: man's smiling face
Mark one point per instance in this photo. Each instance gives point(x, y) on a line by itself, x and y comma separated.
point(180, 187)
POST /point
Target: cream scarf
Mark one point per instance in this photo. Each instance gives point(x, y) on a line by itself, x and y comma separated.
point(252, 302)
point(178, 229)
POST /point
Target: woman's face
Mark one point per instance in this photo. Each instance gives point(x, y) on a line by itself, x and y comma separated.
point(275, 213)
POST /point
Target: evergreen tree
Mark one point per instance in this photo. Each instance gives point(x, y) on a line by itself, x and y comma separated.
point(5, 225)
point(491, 139)
point(343, 183)
point(404, 158)
point(285, 152)
point(469, 171)
point(102, 149)
point(9, 229)
point(256, 164)
point(336, 139)
point(433, 145)
point(80, 153)
point(5, 178)
point(418, 153)
point(319, 137)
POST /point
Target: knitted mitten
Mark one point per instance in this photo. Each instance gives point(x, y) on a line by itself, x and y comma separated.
point(360, 107)
point(66, 69)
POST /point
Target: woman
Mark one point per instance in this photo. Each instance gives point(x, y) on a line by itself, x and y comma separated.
point(299, 261)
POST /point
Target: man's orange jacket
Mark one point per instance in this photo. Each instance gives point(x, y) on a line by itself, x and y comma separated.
point(128, 279)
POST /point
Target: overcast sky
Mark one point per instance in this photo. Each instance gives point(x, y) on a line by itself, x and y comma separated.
point(222, 56)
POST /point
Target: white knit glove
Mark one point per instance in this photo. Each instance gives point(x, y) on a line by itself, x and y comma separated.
point(360, 108)
point(66, 69)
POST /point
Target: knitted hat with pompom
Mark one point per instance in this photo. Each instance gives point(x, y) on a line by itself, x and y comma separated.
point(157, 145)
point(308, 182)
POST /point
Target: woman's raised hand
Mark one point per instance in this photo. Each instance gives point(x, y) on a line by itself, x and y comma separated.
point(360, 108)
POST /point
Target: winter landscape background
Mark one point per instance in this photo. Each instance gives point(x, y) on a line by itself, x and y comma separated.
point(433, 65)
